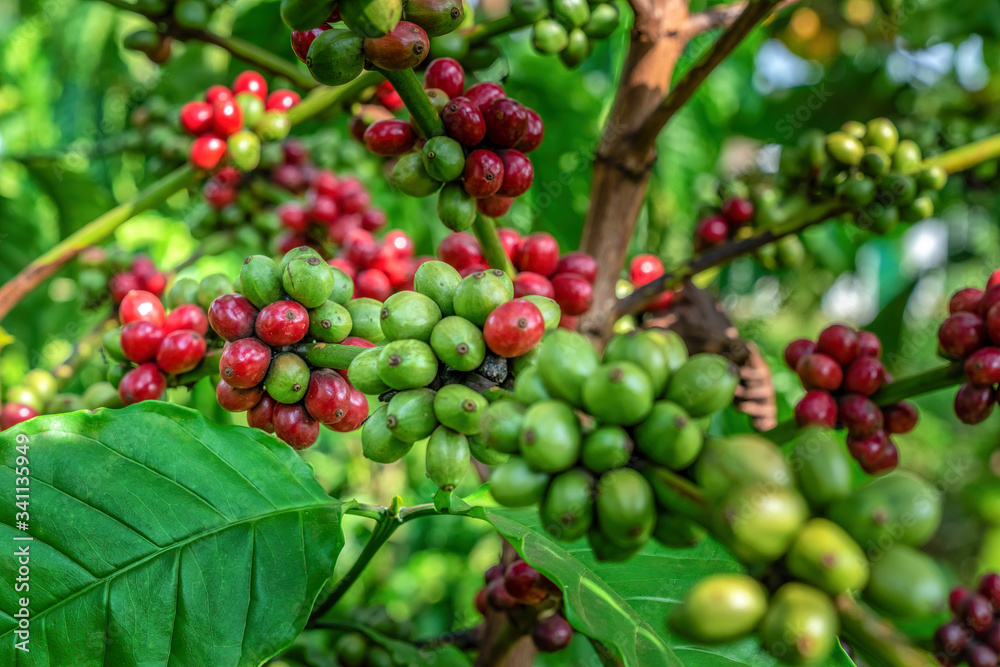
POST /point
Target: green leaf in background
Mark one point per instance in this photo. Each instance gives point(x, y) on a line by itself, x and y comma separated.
point(160, 537)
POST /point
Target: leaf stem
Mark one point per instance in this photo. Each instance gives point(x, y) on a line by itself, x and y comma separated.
point(485, 230)
point(417, 103)
point(255, 55)
point(877, 637)
point(377, 512)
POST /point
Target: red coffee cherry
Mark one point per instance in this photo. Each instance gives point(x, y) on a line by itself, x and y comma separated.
point(352, 196)
point(495, 206)
point(328, 398)
point(977, 613)
point(579, 263)
point(250, 82)
point(967, 299)
point(123, 283)
point(798, 349)
point(399, 244)
point(227, 118)
point(140, 341)
point(552, 633)
point(244, 363)
point(218, 195)
point(196, 117)
point(900, 417)
point(373, 284)
point(983, 366)
point(389, 138)
point(445, 74)
point(527, 283)
point(876, 454)
point(509, 239)
point(838, 341)
point(816, 408)
point(12, 414)
point(232, 316)
point(573, 293)
point(957, 598)
point(207, 151)
point(464, 122)
point(539, 254)
point(524, 583)
point(644, 269)
point(141, 305)
point(180, 351)
point(282, 323)
point(506, 121)
point(974, 404)
point(461, 250)
point(498, 597)
point(483, 174)
point(951, 639)
point(993, 324)
point(494, 572)
point(186, 316)
point(359, 247)
point(482, 94)
point(282, 100)
point(293, 425)
point(981, 655)
point(712, 230)
point(869, 345)
point(145, 382)
point(218, 93)
point(232, 399)
point(481, 601)
point(864, 375)
point(990, 298)
point(989, 587)
point(819, 371)
point(295, 151)
point(859, 415)
point(260, 415)
point(962, 334)
point(292, 216)
point(737, 210)
point(289, 177)
point(534, 132)
point(355, 416)
point(513, 328)
point(518, 173)
point(373, 220)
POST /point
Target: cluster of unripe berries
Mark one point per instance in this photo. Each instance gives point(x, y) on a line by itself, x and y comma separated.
point(116, 274)
point(971, 333)
point(973, 636)
point(37, 394)
point(379, 267)
point(160, 344)
point(232, 122)
point(841, 370)
point(541, 271)
point(357, 649)
point(532, 603)
point(566, 27)
point(580, 430)
point(717, 228)
point(278, 306)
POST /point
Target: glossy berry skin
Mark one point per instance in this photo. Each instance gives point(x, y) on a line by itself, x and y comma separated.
point(859, 415)
point(644, 269)
point(232, 316)
point(289, 177)
point(355, 416)
point(180, 351)
point(282, 100)
point(989, 587)
point(506, 121)
point(227, 118)
point(12, 414)
point(140, 305)
point(990, 298)
point(219, 195)
point(244, 363)
point(983, 366)
point(967, 299)
point(494, 572)
point(518, 173)
point(464, 122)
point(373, 284)
point(145, 382)
point(399, 244)
point(573, 293)
point(534, 132)
point(186, 316)
point(513, 328)
point(796, 350)
point(359, 247)
point(483, 174)
point(962, 334)
point(524, 583)
point(498, 597)
point(323, 210)
point(840, 342)
point(819, 371)
point(294, 425)
point(445, 74)
point(552, 633)
point(712, 230)
point(352, 196)
point(461, 250)
point(373, 220)
point(218, 93)
point(140, 341)
point(527, 283)
point(981, 655)
point(123, 283)
point(957, 598)
point(864, 376)
point(196, 117)
point(495, 206)
point(900, 417)
point(389, 138)
point(974, 404)
point(329, 396)
point(250, 82)
point(282, 323)
point(237, 400)
point(207, 151)
point(869, 345)
point(951, 639)
point(876, 454)
point(737, 210)
point(260, 415)
point(817, 408)
point(993, 324)
point(483, 94)
point(977, 612)
point(539, 254)
point(579, 263)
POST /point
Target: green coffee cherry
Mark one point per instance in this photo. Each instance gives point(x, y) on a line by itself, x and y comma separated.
point(721, 607)
point(907, 158)
point(288, 378)
point(669, 436)
point(458, 343)
point(527, 360)
point(438, 281)
point(550, 436)
point(377, 441)
point(115, 374)
point(456, 208)
point(644, 350)
point(604, 20)
point(882, 133)
point(672, 346)
point(551, 313)
point(407, 364)
point(565, 363)
point(625, 510)
point(244, 149)
point(308, 280)
point(568, 508)
point(857, 191)
point(452, 45)
point(371, 18)
point(62, 403)
point(844, 148)
point(854, 128)
point(366, 318)
point(739, 460)
point(883, 219)
point(274, 125)
point(459, 408)
point(907, 583)
point(363, 373)
point(577, 48)
point(606, 448)
point(500, 425)
point(100, 395)
point(295, 253)
point(409, 315)
point(191, 14)
point(800, 625)
point(932, 178)
point(822, 466)
point(330, 322)
point(443, 158)
point(25, 396)
point(436, 17)
point(343, 287)
point(876, 162)
point(212, 287)
point(185, 290)
point(606, 550)
point(900, 507)
point(410, 176)
point(480, 293)
point(919, 209)
point(529, 388)
point(447, 458)
point(826, 557)
point(529, 11)
point(900, 189)
point(760, 522)
point(515, 484)
point(618, 393)
point(336, 56)
point(484, 453)
point(305, 15)
point(410, 416)
point(676, 532)
point(549, 37)
point(705, 384)
point(111, 342)
point(260, 280)
point(571, 13)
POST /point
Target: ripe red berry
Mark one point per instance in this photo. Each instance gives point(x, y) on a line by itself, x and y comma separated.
point(483, 174)
point(989, 587)
point(983, 366)
point(994, 279)
point(389, 138)
point(864, 375)
point(482, 94)
point(527, 283)
point(524, 583)
point(145, 382)
point(12, 414)
point(396, 269)
point(569, 322)
point(356, 414)
point(323, 210)
point(399, 244)
point(292, 216)
point(967, 299)
point(518, 173)
point(343, 226)
point(227, 118)
point(534, 132)
point(951, 639)
point(573, 293)
point(218, 195)
point(359, 247)
point(445, 74)
point(282, 323)
point(974, 404)
point(250, 82)
point(737, 210)
point(218, 93)
point(260, 415)
point(461, 250)
point(475, 268)
point(482, 601)
point(140, 341)
point(539, 254)
point(180, 351)
point(498, 597)
point(344, 265)
point(232, 316)
point(495, 206)
point(294, 425)
point(494, 572)
point(900, 417)
point(579, 263)
point(816, 408)
point(838, 341)
point(186, 316)
point(289, 177)
point(237, 400)
point(876, 454)
point(123, 283)
point(196, 117)
point(981, 655)
point(328, 398)
point(207, 151)
point(282, 100)
point(869, 345)
point(140, 305)
point(644, 269)
point(552, 633)
point(962, 334)
point(993, 324)
point(712, 230)
point(859, 415)
point(819, 371)
point(957, 598)
point(990, 298)
point(385, 93)
point(513, 328)
point(463, 122)
point(977, 613)
point(244, 363)
point(373, 284)
point(506, 121)
point(373, 220)
point(352, 196)
point(796, 350)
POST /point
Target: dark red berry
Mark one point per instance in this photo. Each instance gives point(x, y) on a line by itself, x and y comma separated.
point(981, 655)
point(385, 93)
point(145, 382)
point(282, 323)
point(141, 340)
point(838, 341)
point(977, 613)
point(579, 263)
point(359, 247)
point(389, 138)
point(865, 375)
point(294, 425)
point(737, 210)
point(123, 283)
point(483, 173)
point(218, 93)
point(445, 74)
point(534, 132)
point(796, 350)
point(951, 639)
point(498, 597)
point(343, 226)
point(991, 297)
point(877, 454)
point(989, 587)
point(983, 366)
point(373, 284)
point(463, 122)
point(573, 293)
point(974, 404)
point(237, 400)
point(12, 414)
point(232, 316)
point(219, 195)
point(518, 173)
point(859, 415)
point(356, 415)
point(527, 283)
point(292, 216)
point(352, 196)
point(513, 328)
point(819, 371)
point(962, 334)
point(181, 351)
point(244, 363)
point(482, 94)
point(869, 345)
point(196, 117)
point(373, 220)
point(482, 601)
point(495, 206)
point(967, 299)
point(506, 121)
point(993, 324)
point(141, 305)
point(569, 322)
point(539, 254)
point(524, 583)
point(289, 177)
point(186, 316)
point(712, 230)
point(552, 633)
point(227, 118)
point(323, 210)
point(957, 598)
point(460, 250)
point(494, 572)
point(260, 415)
point(900, 417)
point(992, 636)
point(816, 408)
point(207, 151)
point(329, 396)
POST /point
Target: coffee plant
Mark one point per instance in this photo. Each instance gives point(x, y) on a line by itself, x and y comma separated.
point(654, 342)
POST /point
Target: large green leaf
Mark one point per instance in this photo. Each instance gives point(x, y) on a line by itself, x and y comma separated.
point(161, 538)
point(625, 605)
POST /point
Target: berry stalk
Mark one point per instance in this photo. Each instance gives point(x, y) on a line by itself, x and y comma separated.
point(323, 98)
point(486, 232)
point(417, 103)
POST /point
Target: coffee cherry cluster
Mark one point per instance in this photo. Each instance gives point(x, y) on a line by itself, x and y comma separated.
point(532, 603)
point(971, 333)
point(356, 649)
point(38, 394)
point(841, 370)
point(232, 122)
point(568, 279)
point(440, 348)
point(265, 367)
point(973, 636)
point(115, 274)
point(379, 267)
point(567, 27)
point(721, 226)
point(160, 345)
point(580, 429)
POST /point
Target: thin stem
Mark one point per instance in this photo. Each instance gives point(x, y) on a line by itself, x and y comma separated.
point(967, 156)
point(324, 98)
point(377, 512)
point(876, 637)
point(417, 103)
point(255, 55)
point(485, 230)
point(481, 32)
point(417, 512)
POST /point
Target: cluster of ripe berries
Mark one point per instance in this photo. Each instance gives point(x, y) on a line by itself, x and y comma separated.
point(840, 372)
point(973, 636)
point(232, 122)
point(533, 604)
point(716, 229)
point(568, 279)
point(275, 307)
point(379, 267)
point(160, 344)
point(972, 334)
